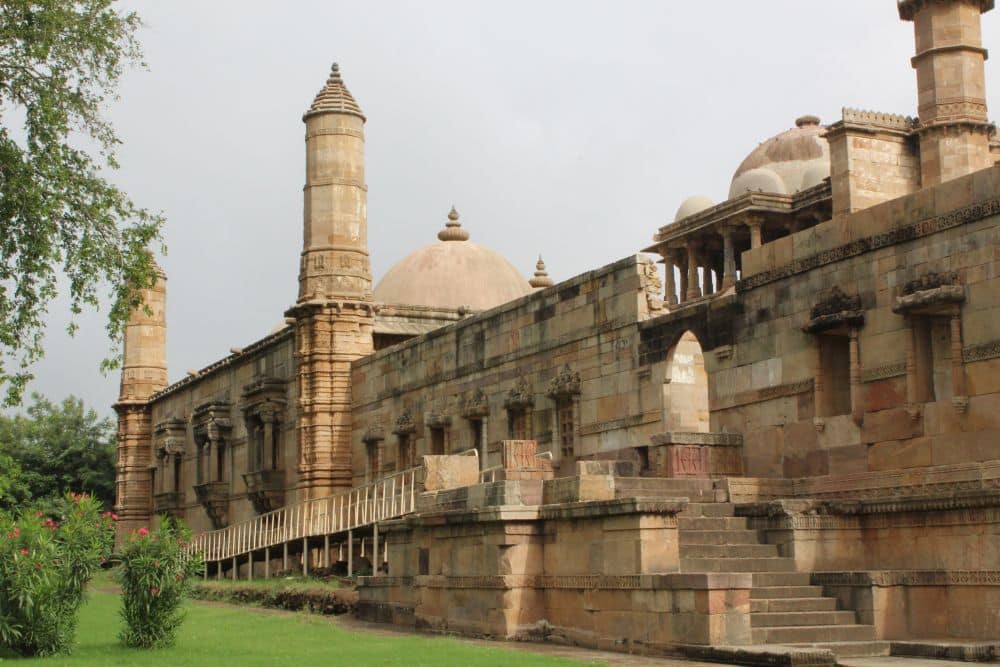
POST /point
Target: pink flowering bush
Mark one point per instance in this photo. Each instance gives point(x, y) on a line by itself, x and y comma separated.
point(45, 564)
point(155, 576)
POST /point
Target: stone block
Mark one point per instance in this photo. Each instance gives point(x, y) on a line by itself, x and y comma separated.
point(450, 471)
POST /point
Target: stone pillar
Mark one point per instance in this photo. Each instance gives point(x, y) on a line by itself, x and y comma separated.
point(756, 235)
point(334, 315)
point(693, 289)
point(819, 387)
point(959, 397)
point(857, 404)
point(728, 259)
point(911, 364)
point(670, 289)
point(266, 461)
point(684, 279)
point(954, 128)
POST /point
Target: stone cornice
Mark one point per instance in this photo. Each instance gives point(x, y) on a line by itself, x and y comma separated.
point(884, 578)
point(901, 234)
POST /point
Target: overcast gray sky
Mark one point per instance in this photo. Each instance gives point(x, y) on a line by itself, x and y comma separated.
point(568, 128)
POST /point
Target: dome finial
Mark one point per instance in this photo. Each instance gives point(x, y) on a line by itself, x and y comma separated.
point(541, 278)
point(453, 228)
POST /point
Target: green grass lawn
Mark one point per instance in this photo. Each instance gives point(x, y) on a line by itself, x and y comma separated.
point(287, 583)
point(225, 635)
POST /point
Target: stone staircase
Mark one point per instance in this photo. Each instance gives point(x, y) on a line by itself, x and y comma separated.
point(784, 608)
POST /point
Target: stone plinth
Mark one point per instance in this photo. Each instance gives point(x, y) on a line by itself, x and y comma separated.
point(700, 454)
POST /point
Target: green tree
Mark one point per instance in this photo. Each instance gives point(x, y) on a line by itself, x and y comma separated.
point(59, 448)
point(60, 64)
point(13, 488)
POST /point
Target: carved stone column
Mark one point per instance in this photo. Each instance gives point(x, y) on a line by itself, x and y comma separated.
point(959, 397)
point(670, 289)
point(857, 405)
point(728, 259)
point(266, 461)
point(684, 278)
point(756, 235)
point(911, 365)
point(693, 289)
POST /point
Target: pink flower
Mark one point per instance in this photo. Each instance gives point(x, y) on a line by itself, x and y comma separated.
point(40, 514)
point(24, 552)
point(143, 532)
point(154, 590)
point(114, 517)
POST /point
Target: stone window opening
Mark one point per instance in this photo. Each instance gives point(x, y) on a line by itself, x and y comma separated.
point(374, 442)
point(212, 427)
point(405, 453)
point(935, 368)
point(519, 405)
point(177, 474)
point(476, 410)
point(835, 322)
point(564, 390)
point(439, 433)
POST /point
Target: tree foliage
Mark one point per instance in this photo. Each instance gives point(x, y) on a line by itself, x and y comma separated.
point(59, 448)
point(60, 64)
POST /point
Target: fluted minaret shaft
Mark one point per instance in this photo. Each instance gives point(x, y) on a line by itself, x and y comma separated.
point(951, 86)
point(144, 372)
point(335, 231)
point(334, 319)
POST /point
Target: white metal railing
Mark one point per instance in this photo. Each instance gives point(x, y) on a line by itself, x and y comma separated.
point(386, 498)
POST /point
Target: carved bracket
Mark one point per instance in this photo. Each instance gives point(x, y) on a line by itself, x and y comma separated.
point(476, 406)
point(214, 497)
point(564, 385)
point(835, 310)
point(519, 397)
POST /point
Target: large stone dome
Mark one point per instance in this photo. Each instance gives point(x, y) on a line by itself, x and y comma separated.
point(794, 160)
point(452, 273)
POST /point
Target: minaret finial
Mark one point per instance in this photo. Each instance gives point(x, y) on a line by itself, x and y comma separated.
point(541, 278)
point(453, 228)
point(334, 97)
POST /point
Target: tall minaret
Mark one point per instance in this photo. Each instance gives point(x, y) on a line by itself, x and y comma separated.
point(334, 316)
point(951, 89)
point(144, 372)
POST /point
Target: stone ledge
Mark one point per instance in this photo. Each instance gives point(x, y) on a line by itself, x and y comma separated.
point(942, 649)
point(766, 656)
point(958, 500)
point(692, 438)
point(887, 578)
point(609, 582)
point(617, 507)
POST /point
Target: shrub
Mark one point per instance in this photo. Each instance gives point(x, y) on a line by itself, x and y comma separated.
point(45, 564)
point(155, 575)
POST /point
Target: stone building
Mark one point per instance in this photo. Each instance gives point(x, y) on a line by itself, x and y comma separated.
point(788, 435)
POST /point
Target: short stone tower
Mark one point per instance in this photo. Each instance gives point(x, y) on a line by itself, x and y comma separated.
point(144, 372)
point(953, 127)
point(334, 318)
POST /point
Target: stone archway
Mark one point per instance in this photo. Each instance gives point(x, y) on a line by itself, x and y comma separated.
point(685, 387)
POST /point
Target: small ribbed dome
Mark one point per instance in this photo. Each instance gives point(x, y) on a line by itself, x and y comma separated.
point(757, 180)
point(335, 97)
point(692, 205)
point(799, 158)
point(452, 273)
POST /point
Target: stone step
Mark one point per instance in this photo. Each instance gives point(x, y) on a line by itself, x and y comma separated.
point(792, 604)
point(765, 579)
point(696, 509)
point(851, 649)
point(721, 537)
point(711, 523)
point(695, 490)
point(728, 551)
point(785, 592)
point(755, 565)
point(811, 634)
point(784, 619)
